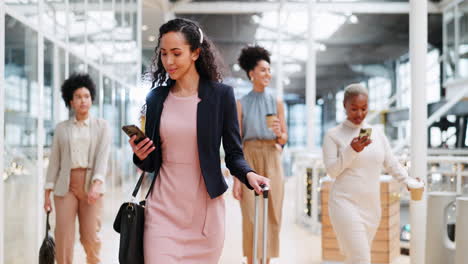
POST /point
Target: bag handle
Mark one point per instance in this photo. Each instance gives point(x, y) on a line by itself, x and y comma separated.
point(47, 224)
point(138, 185)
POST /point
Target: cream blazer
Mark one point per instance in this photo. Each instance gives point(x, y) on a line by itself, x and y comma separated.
point(58, 172)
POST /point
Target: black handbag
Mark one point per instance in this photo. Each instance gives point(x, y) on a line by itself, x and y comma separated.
point(129, 222)
point(47, 250)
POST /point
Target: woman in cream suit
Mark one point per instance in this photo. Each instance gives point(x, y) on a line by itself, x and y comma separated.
point(355, 163)
point(76, 173)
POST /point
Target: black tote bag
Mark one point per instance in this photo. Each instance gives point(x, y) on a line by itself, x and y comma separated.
point(129, 222)
point(47, 250)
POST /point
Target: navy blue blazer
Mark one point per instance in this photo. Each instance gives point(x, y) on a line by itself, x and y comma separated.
point(216, 121)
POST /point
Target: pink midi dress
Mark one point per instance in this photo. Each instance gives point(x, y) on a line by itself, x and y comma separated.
point(183, 225)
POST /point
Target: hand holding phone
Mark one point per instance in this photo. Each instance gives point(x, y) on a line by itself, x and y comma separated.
point(365, 132)
point(363, 140)
point(142, 146)
point(132, 130)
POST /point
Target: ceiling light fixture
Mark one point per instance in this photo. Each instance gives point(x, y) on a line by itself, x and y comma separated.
point(353, 19)
point(144, 27)
point(236, 67)
point(151, 38)
point(320, 47)
point(256, 19)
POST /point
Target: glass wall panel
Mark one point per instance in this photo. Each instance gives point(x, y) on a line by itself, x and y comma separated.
point(94, 30)
point(463, 43)
point(94, 74)
point(124, 35)
point(76, 65)
point(118, 115)
point(109, 23)
point(380, 90)
point(48, 107)
point(297, 123)
point(62, 61)
point(20, 142)
point(54, 18)
point(449, 45)
point(433, 89)
point(28, 8)
point(433, 76)
point(77, 17)
point(61, 112)
point(340, 111)
point(107, 100)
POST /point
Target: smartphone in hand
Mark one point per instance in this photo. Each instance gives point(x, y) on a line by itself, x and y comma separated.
point(132, 130)
point(365, 132)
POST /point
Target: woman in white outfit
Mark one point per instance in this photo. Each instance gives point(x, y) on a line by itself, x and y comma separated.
point(356, 165)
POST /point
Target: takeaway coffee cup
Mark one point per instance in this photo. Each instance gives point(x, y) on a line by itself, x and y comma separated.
point(270, 118)
point(416, 188)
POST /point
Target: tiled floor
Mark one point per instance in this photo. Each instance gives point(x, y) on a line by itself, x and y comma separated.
point(298, 245)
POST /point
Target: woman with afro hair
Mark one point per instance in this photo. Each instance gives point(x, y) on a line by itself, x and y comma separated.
point(76, 172)
point(262, 147)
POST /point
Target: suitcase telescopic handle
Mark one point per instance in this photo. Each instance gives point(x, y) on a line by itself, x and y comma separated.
point(265, 190)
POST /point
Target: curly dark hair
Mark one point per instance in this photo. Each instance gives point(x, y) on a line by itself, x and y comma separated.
point(74, 82)
point(207, 64)
point(250, 56)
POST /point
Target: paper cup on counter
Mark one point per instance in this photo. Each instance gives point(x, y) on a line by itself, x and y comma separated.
point(416, 188)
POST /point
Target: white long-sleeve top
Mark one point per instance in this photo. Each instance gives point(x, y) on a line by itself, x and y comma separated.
point(80, 143)
point(357, 174)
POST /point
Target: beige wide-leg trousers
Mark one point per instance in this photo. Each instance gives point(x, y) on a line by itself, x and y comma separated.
point(265, 158)
point(67, 207)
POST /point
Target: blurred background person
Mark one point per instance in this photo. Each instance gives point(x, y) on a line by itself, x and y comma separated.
point(76, 172)
point(263, 130)
point(356, 163)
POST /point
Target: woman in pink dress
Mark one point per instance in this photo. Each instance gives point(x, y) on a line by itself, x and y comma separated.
point(188, 115)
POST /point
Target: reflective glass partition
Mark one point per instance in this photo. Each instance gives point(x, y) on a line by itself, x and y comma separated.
point(118, 115)
point(48, 106)
point(449, 45)
point(117, 133)
point(20, 158)
point(94, 74)
point(76, 65)
point(77, 18)
point(61, 58)
point(296, 124)
point(94, 30)
point(463, 40)
point(106, 38)
point(456, 41)
point(97, 45)
point(107, 100)
point(27, 8)
point(380, 89)
point(55, 18)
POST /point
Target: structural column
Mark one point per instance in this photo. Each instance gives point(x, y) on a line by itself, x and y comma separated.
point(311, 75)
point(279, 59)
point(418, 53)
point(40, 129)
point(67, 39)
point(2, 120)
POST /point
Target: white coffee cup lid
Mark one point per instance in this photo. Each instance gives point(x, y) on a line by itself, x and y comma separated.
point(414, 183)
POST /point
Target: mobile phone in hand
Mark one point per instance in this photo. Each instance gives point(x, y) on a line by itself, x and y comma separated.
point(365, 132)
point(132, 130)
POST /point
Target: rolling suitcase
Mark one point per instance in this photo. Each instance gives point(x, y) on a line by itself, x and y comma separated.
point(265, 226)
